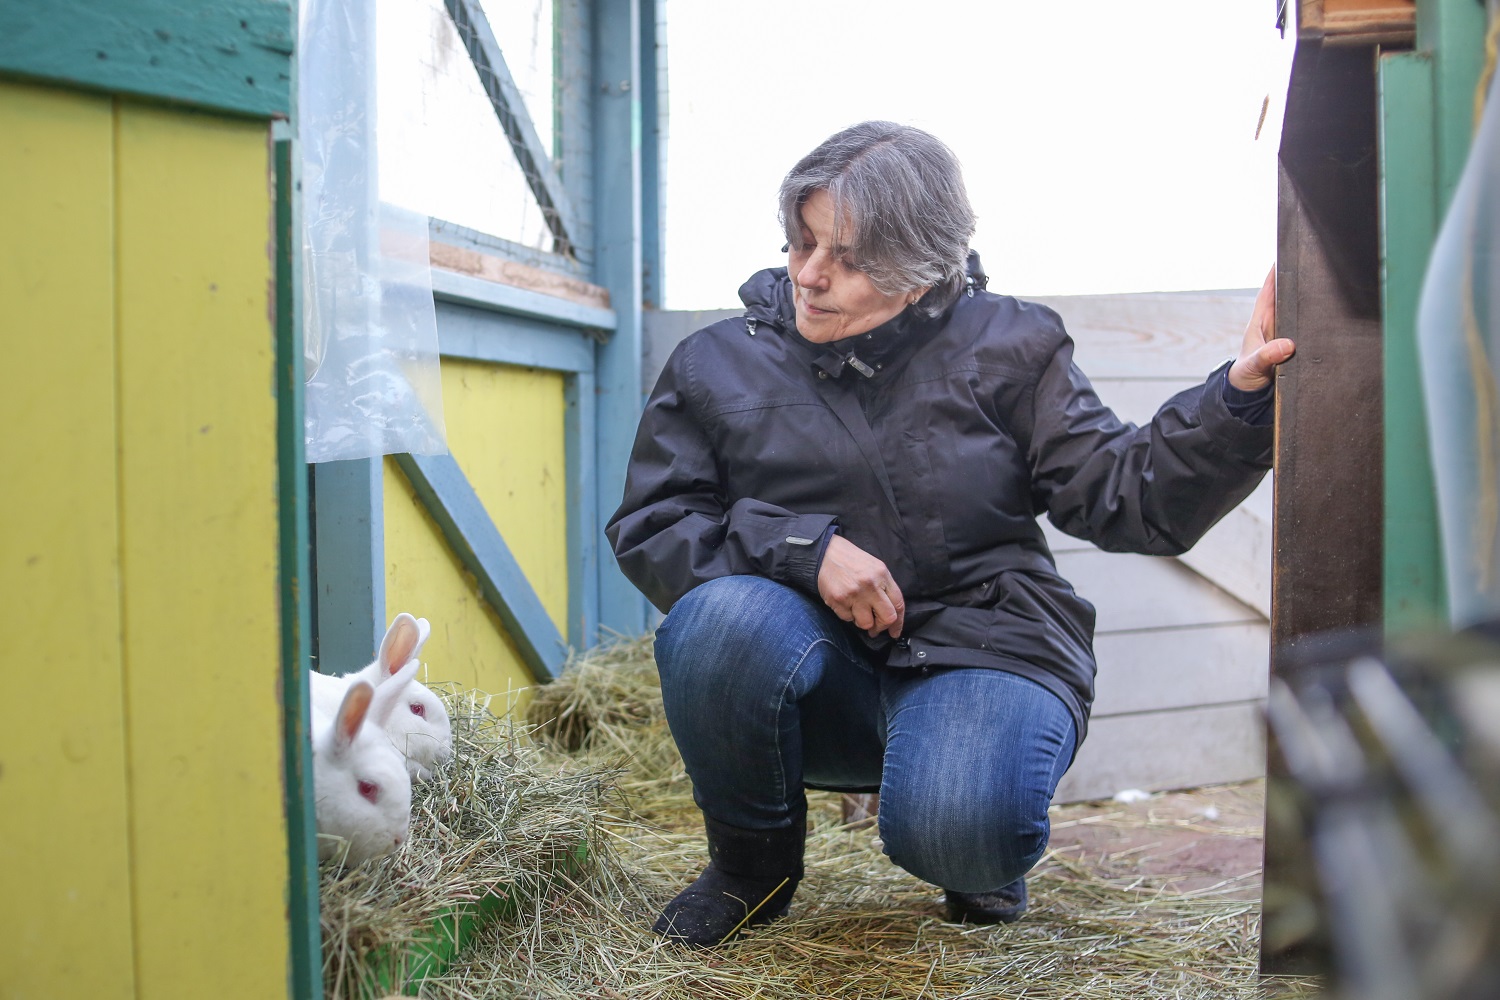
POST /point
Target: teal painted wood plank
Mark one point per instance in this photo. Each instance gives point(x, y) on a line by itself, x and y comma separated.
point(450, 286)
point(584, 534)
point(444, 490)
point(296, 618)
point(224, 55)
point(1452, 32)
point(653, 152)
point(573, 104)
point(482, 335)
point(348, 505)
point(1413, 570)
point(617, 266)
point(499, 86)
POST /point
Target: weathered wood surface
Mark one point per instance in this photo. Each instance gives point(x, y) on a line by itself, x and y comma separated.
point(1174, 749)
point(1180, 668)
point(1358, 22)
point(489, 267)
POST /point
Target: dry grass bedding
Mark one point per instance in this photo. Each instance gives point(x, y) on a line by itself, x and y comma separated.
point(596, 765)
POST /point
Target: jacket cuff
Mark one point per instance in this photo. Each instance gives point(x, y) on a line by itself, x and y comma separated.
point(1247, 438)
point(803, 547)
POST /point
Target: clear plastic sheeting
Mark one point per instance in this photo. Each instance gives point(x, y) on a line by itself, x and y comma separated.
point(1458, 335)
point(370, 334)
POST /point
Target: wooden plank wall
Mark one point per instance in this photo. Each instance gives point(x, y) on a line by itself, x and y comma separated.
point(142, 808)
point(1182, 644)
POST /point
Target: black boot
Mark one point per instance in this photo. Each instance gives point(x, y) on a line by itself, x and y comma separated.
point(750, 878)
point(1002, 906)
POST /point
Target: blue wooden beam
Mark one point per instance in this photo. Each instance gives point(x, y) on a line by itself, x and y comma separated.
point(450, 286)
point(616, 96)
point(454, 235)
point(349, 535)
point(557, 207)
point(584, 537)
point(653, 151)
point(445, 491)
point(482, 335)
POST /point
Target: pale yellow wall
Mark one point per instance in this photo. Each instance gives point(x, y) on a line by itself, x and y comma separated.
point(64, 821)
point(142, 815)
point(505, 429)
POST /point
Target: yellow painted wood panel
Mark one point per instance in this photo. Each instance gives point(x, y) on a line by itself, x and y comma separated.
point(469, 644)
point(65, 924)
point(199, 554)
point(506, 431)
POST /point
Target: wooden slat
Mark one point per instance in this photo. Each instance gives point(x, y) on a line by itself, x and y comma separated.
point(1180, 668)
point(1154, 751)
point(1135, 593)
point(64, 830)
point(517, 275)
point(1358, 22)
point(199, 554)
point(1154, 335)
point(450, 286)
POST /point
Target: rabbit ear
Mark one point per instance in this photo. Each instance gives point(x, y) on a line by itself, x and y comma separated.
point(424, 629)
point(392, 693)
point(352, 713)
point(400, 644)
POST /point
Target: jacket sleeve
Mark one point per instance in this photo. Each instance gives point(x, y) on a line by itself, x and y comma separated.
point(1154, 489)
point(677, 528)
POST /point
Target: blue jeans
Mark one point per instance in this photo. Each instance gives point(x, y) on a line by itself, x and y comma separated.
point(767, 692)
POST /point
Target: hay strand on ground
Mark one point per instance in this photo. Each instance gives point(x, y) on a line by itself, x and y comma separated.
point(859, 926)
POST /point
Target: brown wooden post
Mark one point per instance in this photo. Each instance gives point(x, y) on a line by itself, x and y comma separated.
point(1327, 544)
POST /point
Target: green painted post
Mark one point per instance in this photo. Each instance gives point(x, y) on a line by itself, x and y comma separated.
point(296, 616)
point(1426, 116)
point(1413, 570)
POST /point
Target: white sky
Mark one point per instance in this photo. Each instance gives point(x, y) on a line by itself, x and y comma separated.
point(1107, 146)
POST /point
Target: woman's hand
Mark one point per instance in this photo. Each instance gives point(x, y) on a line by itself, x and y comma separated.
point(1261, 352)
point(860, 589)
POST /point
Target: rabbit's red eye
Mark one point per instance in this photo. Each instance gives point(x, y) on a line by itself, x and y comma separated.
point(417, 708)
point(370, 790)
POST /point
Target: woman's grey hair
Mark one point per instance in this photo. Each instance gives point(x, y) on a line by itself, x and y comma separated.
point(903, 191)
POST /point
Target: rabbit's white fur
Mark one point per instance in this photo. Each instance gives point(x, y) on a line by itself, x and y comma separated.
point(362, 791)
point(422, 732)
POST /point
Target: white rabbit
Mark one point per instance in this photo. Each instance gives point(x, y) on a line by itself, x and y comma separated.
point(362, 791)
point(423, 732)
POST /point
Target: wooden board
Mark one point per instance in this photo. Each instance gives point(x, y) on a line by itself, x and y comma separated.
point(1146, 751)
point(1138, 593)
point(1180, 668)
point(67, 912)
point(199, 554)
point(1156, 334)
point(1358, 22)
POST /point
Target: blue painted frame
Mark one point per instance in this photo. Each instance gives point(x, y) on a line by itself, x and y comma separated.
point(445, 491)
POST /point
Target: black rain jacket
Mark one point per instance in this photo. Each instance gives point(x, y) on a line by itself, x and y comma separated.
point(933, 445)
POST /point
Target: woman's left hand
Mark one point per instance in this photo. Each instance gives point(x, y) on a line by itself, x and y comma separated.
point(1261, 351)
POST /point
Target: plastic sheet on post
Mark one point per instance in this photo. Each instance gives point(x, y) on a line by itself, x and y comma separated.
point(370, 333)
point(1458, 339)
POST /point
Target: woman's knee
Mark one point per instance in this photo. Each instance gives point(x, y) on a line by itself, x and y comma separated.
point(965, 840)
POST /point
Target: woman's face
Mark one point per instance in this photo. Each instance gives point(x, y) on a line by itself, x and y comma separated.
point(834, 300)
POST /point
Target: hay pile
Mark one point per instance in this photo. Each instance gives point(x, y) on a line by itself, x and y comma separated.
point(859, 927)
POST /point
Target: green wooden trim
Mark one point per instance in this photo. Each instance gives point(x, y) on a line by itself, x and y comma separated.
point(1414, 591)
point(472, 537)
point(302, 841)
point(1452, 32)
point(224, 55)
point(431, 955)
